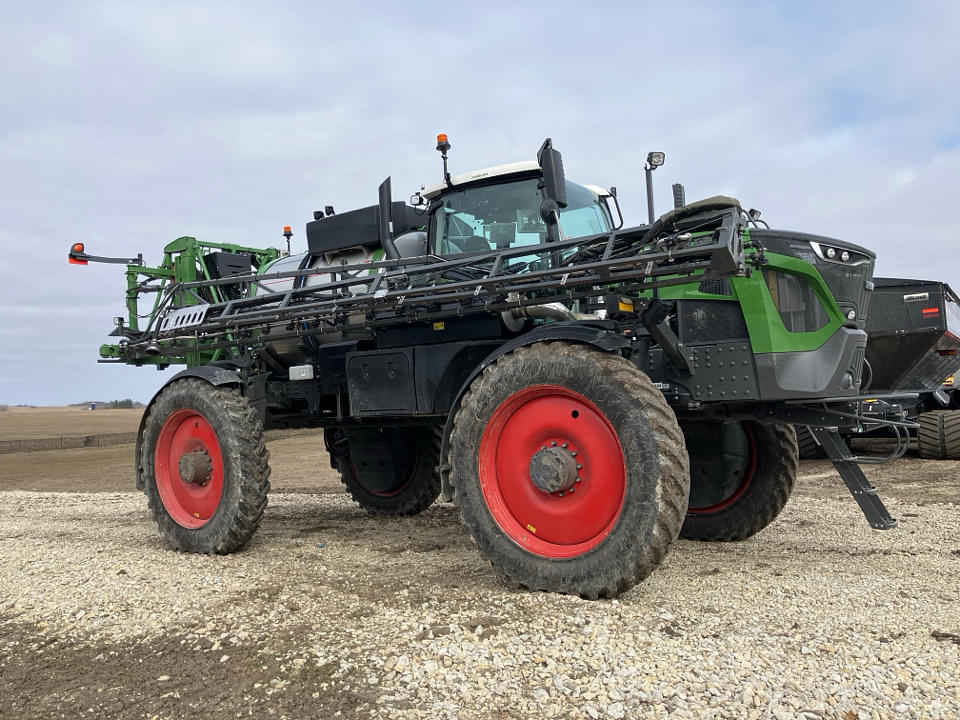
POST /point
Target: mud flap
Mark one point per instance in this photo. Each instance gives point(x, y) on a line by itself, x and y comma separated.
point(847, 465)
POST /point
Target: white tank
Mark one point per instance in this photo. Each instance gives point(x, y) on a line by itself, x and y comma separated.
point(412, 244)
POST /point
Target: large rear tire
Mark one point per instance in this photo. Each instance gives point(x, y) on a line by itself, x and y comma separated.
point(939, 435)
point(569, 469)
point(741, 476)
point(388, 471)
point(204, 467)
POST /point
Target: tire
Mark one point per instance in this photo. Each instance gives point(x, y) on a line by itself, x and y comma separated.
point(211, 435)
point(569, 469)
point(939, 435)
point(388, 471)
point(809, 449)
point(736, 493)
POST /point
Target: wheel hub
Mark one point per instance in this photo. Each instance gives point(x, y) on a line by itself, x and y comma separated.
point(553, 470)
point(195, 467)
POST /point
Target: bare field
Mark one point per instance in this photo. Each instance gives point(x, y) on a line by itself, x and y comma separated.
point(18, 423)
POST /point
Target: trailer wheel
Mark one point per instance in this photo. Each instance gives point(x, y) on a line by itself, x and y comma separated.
point(204, 467)
point(939, 435)
point(809, 449)
point(389, 471)
point(569, 469)
point(741, 476)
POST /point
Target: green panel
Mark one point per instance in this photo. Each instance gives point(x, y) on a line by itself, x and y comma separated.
point(767, 331)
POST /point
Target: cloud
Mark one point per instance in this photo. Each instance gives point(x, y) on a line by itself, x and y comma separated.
point(125, 125)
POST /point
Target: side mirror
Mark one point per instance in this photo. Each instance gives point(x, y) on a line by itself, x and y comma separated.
point(555, 185)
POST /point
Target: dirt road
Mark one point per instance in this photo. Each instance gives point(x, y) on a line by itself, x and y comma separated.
point(332, 613)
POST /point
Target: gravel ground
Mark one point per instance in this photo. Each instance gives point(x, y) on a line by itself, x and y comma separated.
point(332, 613)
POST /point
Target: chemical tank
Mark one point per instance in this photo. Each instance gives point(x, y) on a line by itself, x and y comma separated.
point(337, 241)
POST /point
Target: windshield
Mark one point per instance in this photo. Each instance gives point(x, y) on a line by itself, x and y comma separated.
point(507, 215)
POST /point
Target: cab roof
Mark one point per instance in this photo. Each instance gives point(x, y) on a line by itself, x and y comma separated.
point(516, 168)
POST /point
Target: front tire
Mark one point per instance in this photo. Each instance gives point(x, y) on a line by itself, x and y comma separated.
point(569, 469)
point(741, 476)
point(204, 467)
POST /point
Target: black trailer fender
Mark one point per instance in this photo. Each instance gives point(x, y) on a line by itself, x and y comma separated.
point(214, 374)
point(597, 333)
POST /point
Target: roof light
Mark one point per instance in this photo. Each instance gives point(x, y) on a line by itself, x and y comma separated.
point(443, 144)
point(655, 159)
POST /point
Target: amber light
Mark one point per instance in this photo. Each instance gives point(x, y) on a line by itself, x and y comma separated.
point(76, 249)
point(441, 138)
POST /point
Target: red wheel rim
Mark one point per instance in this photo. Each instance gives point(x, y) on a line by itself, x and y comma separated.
point(744, 484)
point(552, 524)
point(190, 504)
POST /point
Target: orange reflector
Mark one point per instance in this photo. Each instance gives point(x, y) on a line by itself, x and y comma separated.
point(441, 138)
point(76, 262)
point(948, 352)
point(77, 248)
point(930, 312)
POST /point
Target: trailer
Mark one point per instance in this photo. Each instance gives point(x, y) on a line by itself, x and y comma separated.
point(585, 392)
point(913, 333)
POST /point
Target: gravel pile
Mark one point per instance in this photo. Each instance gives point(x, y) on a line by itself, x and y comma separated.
point(331, 613)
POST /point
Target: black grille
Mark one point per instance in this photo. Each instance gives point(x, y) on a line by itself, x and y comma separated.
point(707, 321)
point(858, 365)
point(719, 286)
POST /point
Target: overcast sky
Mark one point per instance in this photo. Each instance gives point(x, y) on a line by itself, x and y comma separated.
point(125, 125)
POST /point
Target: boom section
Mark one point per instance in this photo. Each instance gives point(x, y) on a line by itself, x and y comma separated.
point(431, 288)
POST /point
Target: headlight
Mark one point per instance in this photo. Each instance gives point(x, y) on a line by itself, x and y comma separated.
point(838, 255)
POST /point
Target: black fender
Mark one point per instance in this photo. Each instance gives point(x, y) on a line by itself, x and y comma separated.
point(213, 374)
point(600, 334)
